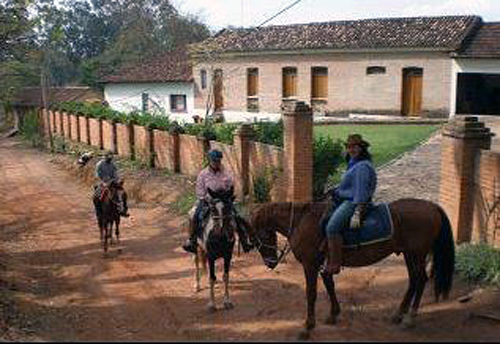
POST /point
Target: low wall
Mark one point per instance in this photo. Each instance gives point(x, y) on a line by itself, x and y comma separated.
point(95, 132)
point(191, 153)
point(75, 123)
point(108, 136)
point(123, 140)
point(164, 150)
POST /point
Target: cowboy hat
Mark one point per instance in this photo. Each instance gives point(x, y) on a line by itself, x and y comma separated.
point(357, 139)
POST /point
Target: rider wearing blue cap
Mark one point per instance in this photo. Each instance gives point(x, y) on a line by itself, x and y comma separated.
point(215, 177)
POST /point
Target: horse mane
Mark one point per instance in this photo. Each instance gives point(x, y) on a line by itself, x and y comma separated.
point(267, 213)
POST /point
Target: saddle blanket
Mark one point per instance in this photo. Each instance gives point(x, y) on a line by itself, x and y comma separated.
point(377, 227)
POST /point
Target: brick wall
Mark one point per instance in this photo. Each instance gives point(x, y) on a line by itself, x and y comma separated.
point(463, 138)
point(95, 132)
point(108, 135)
point(84, 130)
point(75, 123)
point(350, 89)
point(192, 154)
point(164, 150)
point(142, 144)
point(123, 140)
point(486, 226)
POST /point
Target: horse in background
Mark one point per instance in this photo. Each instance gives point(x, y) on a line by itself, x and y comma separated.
point(216, 241)
point(420, 228)
point(109, 206)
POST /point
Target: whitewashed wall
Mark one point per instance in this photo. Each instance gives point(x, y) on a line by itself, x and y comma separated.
point(128, 97)
point(489, 66)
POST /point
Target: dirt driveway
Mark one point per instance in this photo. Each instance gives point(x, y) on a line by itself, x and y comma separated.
point(56, 284)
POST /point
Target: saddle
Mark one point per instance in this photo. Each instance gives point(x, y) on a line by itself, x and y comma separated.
point(376, 227)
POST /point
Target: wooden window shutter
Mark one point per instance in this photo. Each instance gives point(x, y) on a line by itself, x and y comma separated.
point(252, 81)
point(289, 82)
point(319, 82)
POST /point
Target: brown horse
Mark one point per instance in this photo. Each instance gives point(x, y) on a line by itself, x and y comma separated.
point(420, 227)
point(108, 208)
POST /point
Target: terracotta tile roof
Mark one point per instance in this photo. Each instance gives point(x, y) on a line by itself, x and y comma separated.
point(485, 43)
point(443, 33)
point(32, 96)
point(171, 66)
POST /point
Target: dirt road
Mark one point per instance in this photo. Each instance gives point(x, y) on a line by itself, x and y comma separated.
point(57, 285)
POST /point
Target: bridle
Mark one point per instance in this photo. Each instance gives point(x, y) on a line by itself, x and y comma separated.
point(286, 249)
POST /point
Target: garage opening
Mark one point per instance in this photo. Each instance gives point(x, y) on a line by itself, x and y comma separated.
point(478, 93)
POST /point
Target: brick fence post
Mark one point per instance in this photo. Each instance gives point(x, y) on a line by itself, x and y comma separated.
point(298, 149)
point(175, 149)
point(463, 137)
point(241, 142)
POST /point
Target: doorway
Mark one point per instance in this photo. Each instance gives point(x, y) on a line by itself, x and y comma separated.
point(411, 104)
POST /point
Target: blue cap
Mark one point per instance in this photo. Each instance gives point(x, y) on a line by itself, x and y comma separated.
point(215, 155)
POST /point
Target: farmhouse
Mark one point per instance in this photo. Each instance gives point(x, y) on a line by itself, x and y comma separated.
point(421, 66)
point(160, 85)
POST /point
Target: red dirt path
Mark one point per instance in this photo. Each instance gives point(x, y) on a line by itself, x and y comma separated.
point(57, 285)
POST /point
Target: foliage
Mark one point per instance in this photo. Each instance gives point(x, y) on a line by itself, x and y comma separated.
point(262, 185)
point(327, 156)
point(30, 129)
point(269, 132)
point(225, 132)
point(184, 203)
point(479, 263)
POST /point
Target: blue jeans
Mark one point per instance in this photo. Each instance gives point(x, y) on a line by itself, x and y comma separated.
point(340, 219)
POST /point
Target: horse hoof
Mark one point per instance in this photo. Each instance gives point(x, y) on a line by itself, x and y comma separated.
point(304, 335)
point(228, 305)
point(211, 309)
point(408, 322)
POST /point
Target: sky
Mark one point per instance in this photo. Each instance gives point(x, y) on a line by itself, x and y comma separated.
point(219, 14)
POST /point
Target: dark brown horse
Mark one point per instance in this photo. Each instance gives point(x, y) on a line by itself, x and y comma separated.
point(420, 228)
point(108, 208)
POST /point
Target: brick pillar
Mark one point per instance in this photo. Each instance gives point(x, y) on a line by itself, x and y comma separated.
point(241, 142)
point(68, 125)
point(87, 129)
point(151, 143)
point(78, 124)
point(176, 149)
point(463, 137)
point(298, 148)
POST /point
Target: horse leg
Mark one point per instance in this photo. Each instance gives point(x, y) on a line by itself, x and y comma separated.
point(211, 303)
point(335, 307)
point(311, 274)
point(405, 304)
point(421, 280)
point(227, 264)
point(117, 229)
point(197, 273)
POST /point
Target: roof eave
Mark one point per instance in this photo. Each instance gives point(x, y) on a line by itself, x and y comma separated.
point(326, 51)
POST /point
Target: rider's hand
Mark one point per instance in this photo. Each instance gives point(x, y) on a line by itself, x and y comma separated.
point(356, 220)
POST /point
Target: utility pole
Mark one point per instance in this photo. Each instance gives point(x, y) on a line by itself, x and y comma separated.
point(43, 87)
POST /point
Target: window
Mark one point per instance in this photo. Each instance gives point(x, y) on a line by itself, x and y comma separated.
point(375, 70)
point(289, 82)
point(319, 82)
point(203, 79)
point(178, 103)
point(145, 102)
point(252, 82)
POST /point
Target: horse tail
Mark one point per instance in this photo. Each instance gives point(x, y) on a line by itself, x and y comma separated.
point(443, 258)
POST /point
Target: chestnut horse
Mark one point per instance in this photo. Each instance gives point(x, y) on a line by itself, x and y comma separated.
point(420, 227)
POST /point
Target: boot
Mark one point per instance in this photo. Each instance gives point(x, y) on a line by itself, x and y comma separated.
point(190, 244)
point(334, 255)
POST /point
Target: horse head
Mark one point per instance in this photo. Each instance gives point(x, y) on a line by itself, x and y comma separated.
point(221, 208)
point(264, 237)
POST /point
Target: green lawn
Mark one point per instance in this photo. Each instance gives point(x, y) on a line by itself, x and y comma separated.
point(387, 141)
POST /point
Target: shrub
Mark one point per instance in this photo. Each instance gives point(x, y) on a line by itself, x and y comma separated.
point(30, 129)
point(269, 132)
point(327, 156)
point(478, 263)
